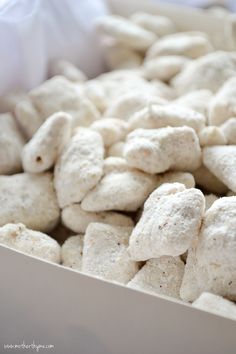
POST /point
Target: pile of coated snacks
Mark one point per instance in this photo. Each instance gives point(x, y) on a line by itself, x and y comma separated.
point(131, 176)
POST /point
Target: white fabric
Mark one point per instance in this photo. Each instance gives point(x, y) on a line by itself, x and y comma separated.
point(35, 32)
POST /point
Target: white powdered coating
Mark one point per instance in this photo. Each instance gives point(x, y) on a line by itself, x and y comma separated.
point(223, 104)
point(126, 105)
point(160, 276)
point(125, 191)
point(29, 199)
point(72, 252)
point(208, 72)
point(42, 151)
point(189, 44)
point(112, 130)
point(212, 136)
point(165, 67)
point(119, 56)
point(198, 100)
point(95, 92)
point(215, 304)
point(56, 94)
point(126, 32)
point(68, 70)
point(171, 219)
point(221, 161)
point(185, 178)
point(156, 116)
point(229, 131)
point(11, 145)
point(77, 219)
point(105, 253)
point(116, 150)
point(115, 164)
point(31, 242)
point(118, 84)
point(79, 167)
point(158, 150)
point(160, 25)
point(211, 263)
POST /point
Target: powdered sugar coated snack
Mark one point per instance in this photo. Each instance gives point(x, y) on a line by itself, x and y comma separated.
point(159, 150)
point(79, 167)
point(216, 304)
point(129, 176)
point(32, 242)
point(72, 251)
point(42, 151)
point(105, 253)
point(171, 219)
point(160, 276)
point(11, 145)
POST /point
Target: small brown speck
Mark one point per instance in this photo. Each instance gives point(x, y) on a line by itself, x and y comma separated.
point(39, 159)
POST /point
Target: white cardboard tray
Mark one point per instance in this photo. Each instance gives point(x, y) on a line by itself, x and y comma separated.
point(78, 314)
point(49, 304)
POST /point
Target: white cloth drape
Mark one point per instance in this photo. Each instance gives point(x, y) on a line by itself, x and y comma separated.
point(35, 32)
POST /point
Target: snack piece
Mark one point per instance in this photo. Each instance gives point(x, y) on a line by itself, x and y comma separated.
point(211, 262)
point(211, 136)
point(105, 253)
point(158, 150)
point(208, 72)
point(164, 90)
point(116, 149)
point(189, 44)
point(118, 56)
point(164, 68)
point(161, 276)
point(160, 25)
point(68, 70)
point(9, 100)
point(126, 32)
point(126, 105)
point(31, 242)
point(206, 180)
point(215, 304)
point(112, 130)
point(77, 219)
point(209, 200)
point(185, 178)
point(72, 252)
point(95, 92)
point(156, 116)
point(223, 104)
point(29, 199)
point(56, 94)
point(198, 100)
point(11, 144)
point(171, 219)
point(124, 191)
point(129, 82)
point(79, 167)
point(221, 161)
point(229, 131)
point(115, 164)
point(42, 151)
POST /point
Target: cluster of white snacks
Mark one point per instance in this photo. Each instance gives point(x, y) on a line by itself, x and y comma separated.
point(99, 175)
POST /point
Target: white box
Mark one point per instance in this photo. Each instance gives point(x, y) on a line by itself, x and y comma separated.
point(45, 304)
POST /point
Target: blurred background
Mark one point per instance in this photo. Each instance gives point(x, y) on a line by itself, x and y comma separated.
point(227, 4)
